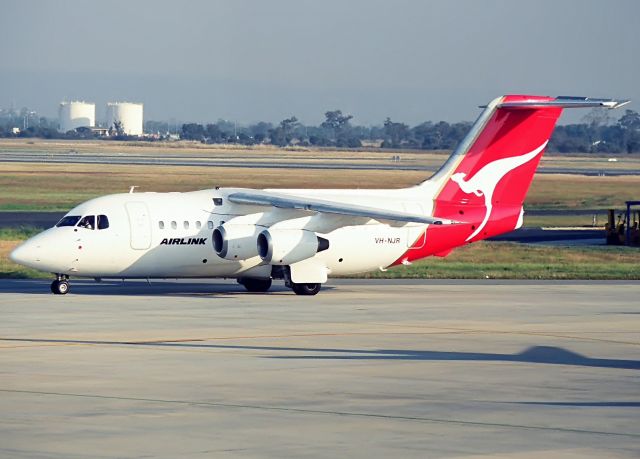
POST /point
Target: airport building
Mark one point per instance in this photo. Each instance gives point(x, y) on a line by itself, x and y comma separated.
point(76, 114)
point(127, 113)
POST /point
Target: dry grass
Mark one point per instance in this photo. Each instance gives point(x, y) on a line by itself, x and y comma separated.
point(56, 186)
point(580, 191)
point(51, 186)
point(502, 260)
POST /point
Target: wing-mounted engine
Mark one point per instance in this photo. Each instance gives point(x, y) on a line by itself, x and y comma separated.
point(236, 241)
point(287, 246)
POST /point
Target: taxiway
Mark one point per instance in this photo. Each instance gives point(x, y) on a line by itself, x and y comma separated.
point(469, 369)
point(45, 157)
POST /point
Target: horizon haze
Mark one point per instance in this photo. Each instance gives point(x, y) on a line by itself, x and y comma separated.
point(254, 61)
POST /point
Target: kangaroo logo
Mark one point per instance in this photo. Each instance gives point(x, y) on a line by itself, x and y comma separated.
point(484, 182)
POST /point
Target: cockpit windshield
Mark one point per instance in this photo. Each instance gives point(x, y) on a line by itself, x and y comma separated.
point(69, 220)
point(88, 221)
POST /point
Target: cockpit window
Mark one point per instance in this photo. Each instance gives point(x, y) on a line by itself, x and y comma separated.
point(103, 222)
point(69, 220)
point(88, 222)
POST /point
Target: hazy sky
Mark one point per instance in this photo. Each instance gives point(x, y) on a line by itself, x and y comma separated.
point(267, 60)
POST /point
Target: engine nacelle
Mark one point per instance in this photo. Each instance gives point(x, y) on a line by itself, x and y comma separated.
point(288, 246)
point(235, 242)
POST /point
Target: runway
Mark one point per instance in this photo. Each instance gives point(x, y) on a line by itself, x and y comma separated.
point(43, 157)
point(463, 369)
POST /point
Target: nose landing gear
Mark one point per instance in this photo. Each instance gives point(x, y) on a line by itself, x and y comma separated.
point(60, 286)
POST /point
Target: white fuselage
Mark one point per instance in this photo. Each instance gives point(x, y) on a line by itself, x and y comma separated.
point(161, 235)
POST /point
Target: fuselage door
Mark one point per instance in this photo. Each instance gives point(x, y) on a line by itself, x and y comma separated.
point(139, 225)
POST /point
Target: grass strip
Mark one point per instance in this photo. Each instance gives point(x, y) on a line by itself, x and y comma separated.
point(507, 260)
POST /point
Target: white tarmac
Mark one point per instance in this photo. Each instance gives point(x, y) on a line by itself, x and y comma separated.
point(365, 369)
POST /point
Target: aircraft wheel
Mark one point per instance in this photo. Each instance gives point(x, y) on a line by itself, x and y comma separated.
point(305, 289)
point(255, 285)
point(60, 287)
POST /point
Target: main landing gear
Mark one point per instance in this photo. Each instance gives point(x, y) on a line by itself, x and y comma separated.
point(253, 284)
point(261, 285)
point(60, 286)
point(284, 272)
point(305, 289)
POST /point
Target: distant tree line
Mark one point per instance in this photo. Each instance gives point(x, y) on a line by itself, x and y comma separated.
point(598, 135)
point(597, 132)
point(335, 131)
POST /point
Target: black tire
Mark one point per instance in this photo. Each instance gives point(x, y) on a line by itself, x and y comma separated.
point(255, 285)
point(306, 289)
point(60, 287)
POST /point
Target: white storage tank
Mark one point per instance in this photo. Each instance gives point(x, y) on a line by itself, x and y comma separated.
point(129, 114)
point(75, 114)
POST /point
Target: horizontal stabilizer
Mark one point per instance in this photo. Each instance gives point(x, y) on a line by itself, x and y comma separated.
point(564, 102)
point(283, 201)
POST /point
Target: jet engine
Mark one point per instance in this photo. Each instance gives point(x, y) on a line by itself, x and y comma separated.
point(288, 246)
point(235, 242)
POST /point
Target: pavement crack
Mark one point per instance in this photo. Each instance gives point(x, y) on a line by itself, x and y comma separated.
point(421, 419)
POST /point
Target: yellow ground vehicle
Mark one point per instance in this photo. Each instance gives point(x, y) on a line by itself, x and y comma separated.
point(625, 230)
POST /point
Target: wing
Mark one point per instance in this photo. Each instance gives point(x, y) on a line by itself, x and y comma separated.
point(283, 201)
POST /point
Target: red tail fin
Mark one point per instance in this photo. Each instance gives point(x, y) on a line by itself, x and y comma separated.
point(486, 179)
point(488, 185)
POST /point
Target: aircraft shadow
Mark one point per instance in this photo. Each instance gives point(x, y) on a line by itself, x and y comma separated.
point(592, 404)
point(537, 354)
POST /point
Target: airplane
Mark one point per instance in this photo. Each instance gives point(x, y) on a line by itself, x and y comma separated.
point(302, 236)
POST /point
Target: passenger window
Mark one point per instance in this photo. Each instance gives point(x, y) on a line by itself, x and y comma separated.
point(217, 201)
point(161, 224)
point(198, 225)
point(210, 224)
point(69, 220)
point(103, 222)
point(174, 225)
point(186, 225)
point(88, 222)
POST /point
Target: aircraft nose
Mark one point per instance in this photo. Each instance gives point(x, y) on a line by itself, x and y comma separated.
point(26, 253)
point(47, 251)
